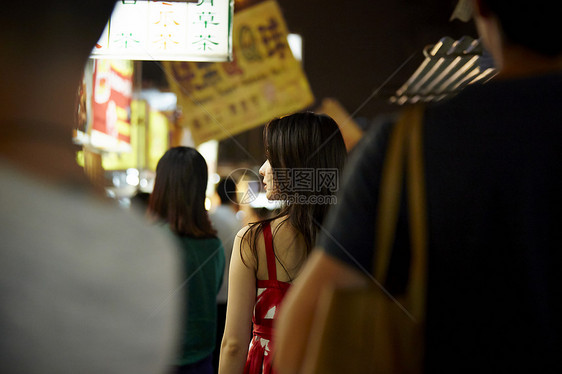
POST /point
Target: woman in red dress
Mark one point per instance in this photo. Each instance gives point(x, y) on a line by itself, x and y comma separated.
point(305, 155)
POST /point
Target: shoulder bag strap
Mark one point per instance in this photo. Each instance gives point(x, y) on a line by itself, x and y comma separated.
point(418, 217)
point(406, 132)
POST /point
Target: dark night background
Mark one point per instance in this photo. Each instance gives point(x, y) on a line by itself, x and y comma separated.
point(351, 47)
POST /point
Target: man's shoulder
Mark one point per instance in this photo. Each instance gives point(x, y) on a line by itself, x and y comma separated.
point(68, 219)
point(71, 259)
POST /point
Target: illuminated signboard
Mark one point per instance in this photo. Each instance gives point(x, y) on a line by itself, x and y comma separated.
point(111, 100)
point(168, 31)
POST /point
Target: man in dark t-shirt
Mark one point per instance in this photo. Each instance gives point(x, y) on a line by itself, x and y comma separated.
point(494, 203)
point(493, 172)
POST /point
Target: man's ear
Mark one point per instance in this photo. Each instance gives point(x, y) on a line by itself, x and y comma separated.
point(481, 8)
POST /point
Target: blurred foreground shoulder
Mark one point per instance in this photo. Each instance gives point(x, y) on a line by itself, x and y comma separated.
point(82, 279)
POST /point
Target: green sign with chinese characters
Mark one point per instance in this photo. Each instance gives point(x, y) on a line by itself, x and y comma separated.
point(168, 31)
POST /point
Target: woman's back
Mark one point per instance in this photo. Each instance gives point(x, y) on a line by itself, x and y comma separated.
point(279, 258)
point(203, 263)
point(289, 248)
point(178, 201)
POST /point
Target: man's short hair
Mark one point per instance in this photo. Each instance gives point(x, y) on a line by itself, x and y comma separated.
point(226, 189)
point(533, 24)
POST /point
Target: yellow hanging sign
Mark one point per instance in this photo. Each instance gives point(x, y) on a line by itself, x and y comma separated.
point(264, 80)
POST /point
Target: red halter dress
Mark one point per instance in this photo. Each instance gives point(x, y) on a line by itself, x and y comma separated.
point(270, 293)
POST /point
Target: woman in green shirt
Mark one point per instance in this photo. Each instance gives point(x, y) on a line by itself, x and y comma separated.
point(178, 200)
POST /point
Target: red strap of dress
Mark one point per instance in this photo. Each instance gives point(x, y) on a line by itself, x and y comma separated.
point(269, 254)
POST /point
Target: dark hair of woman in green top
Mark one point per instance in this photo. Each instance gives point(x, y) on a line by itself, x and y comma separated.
point(178, 197)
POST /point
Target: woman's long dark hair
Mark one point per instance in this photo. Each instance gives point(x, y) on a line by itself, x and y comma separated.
point(178, 197)
point(303, 142)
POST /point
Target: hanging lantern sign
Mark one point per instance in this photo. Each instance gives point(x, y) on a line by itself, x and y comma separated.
point(168, 31)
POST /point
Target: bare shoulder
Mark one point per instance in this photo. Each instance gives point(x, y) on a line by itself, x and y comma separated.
point(242, 233)
point(244, 245)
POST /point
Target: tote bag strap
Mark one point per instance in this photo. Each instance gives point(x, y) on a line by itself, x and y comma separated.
point(406, 133)
point(417, 217)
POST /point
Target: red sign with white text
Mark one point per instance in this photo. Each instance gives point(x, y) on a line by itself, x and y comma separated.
point(111, 103)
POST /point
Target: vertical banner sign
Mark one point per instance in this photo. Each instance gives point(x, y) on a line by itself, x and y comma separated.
point(111, 101)
point(263, 81)
point(158, 138)
point(134, 158)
